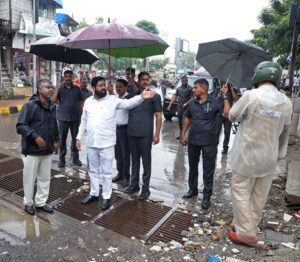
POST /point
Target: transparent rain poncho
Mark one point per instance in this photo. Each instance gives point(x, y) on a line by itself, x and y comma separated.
point(264, 115)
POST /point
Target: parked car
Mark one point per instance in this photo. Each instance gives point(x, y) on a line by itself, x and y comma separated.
point(213, 83)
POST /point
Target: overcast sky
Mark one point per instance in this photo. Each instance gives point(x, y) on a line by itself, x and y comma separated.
point(197, 21)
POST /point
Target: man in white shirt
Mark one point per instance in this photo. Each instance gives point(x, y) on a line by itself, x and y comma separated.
point(122, 153)
point(264, 115)
point(98, 120)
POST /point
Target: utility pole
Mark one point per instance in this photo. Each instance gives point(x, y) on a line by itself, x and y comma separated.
point(294, 20)
point(34, 89)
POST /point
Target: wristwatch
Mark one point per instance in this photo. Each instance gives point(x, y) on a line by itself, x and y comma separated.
point(225, 97)
point(184, 105)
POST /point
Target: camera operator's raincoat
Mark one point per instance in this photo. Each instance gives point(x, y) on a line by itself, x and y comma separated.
point(264, 115)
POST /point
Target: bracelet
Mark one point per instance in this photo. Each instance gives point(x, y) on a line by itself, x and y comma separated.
point(226, 97)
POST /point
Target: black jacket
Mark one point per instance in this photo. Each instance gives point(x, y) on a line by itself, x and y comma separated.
point(36, 120)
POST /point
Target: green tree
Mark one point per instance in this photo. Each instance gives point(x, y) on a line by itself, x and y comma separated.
point(275, 35)
point(99, 20)
point(82, 24)
point(148, 26)
point(158, 64)
point(188, 60)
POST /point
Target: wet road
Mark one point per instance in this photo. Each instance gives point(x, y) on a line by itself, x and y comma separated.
point(169, 160)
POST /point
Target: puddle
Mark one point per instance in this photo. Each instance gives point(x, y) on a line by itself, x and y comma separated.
point(21, 225)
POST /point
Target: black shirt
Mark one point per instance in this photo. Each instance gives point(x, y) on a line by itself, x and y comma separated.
point(184, 94)
point(86, 93)
point(202, 128)
point(68, 107)
point(141, 118)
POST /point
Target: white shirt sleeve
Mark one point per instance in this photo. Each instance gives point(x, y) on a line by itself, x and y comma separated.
point(82, 127)
point(130, 103)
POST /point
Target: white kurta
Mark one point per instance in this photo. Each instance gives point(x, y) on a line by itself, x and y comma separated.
point(98, 121)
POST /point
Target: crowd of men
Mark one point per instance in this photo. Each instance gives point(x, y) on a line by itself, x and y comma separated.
point(122, 126)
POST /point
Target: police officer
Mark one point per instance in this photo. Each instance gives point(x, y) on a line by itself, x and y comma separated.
point(201, 118)
point(264, 114)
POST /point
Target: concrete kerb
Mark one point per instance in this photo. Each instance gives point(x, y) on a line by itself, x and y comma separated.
point(10, 110)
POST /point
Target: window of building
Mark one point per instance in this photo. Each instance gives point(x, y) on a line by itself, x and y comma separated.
point(42, 9)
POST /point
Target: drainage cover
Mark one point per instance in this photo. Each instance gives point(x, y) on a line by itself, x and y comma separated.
point(133, 218)
point(12, 182)
point(2, 156)
point(60, 188)
point(172, 228)
point(10, 166)
point(73, 207)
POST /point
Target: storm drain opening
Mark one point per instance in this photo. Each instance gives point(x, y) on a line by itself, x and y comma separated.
point(60, 187)
point(14, 182)
point(73, 207)
point(172, 228)
point(10, 166)
point(3, 156)
point(133, 218)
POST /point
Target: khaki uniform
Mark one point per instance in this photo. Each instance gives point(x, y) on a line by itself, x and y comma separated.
point(264, 115)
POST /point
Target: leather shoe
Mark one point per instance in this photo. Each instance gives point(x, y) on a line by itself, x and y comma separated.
point(178, 138)
point(125, 183)
point(117, 178)
point(144, 195)
point(130, 190)
point(45, 208)
point(61, 163)
point(190, 194)
point(89, 199)
point(205, 203)
point(105, 204)
point(30, 210)
point(77, 162)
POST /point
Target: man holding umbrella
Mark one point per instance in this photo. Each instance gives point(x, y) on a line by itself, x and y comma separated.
point(99, 121)
point(264, 115)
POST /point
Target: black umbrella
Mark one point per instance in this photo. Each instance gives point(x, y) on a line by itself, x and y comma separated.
point(231, 60)
point(47, 49)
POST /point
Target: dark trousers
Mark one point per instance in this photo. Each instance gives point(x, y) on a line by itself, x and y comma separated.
point(63, 128)
point(227, 129)
point(209, 162)
point(122, 152)
point(181, 115)
point(140, 147)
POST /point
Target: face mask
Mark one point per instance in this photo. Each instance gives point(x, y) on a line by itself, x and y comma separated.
point(101, 93)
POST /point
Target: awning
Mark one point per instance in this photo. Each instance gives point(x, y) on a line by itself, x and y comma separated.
point(59, 3)
point(61, 18)
point(45, 27)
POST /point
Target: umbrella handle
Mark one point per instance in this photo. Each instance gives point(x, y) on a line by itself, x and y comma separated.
point(109, 62)
point(237, 59)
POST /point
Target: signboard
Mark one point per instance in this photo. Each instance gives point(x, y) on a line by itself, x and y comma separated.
point(45, 27)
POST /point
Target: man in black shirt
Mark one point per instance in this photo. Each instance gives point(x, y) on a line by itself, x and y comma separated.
point(83, 86)
point(140, 135)
point(129, 77)
point(233, 96)
point(201, 118)
point(184, 93)
point(68, 115)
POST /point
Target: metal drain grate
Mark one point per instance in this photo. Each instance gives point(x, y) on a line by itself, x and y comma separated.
point(133, 218)
point(173, 227)
point(10, 166)
point(59, 188)
point(73, 207)
point(14, 182)
point(2, 156)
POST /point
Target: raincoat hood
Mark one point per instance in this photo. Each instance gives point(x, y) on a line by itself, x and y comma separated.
point(274, 97)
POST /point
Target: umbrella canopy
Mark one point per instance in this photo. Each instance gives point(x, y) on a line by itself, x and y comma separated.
point(105, 36)
point(47, 48)
point(231, 60)
point(109, 37)
point(158, 48)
